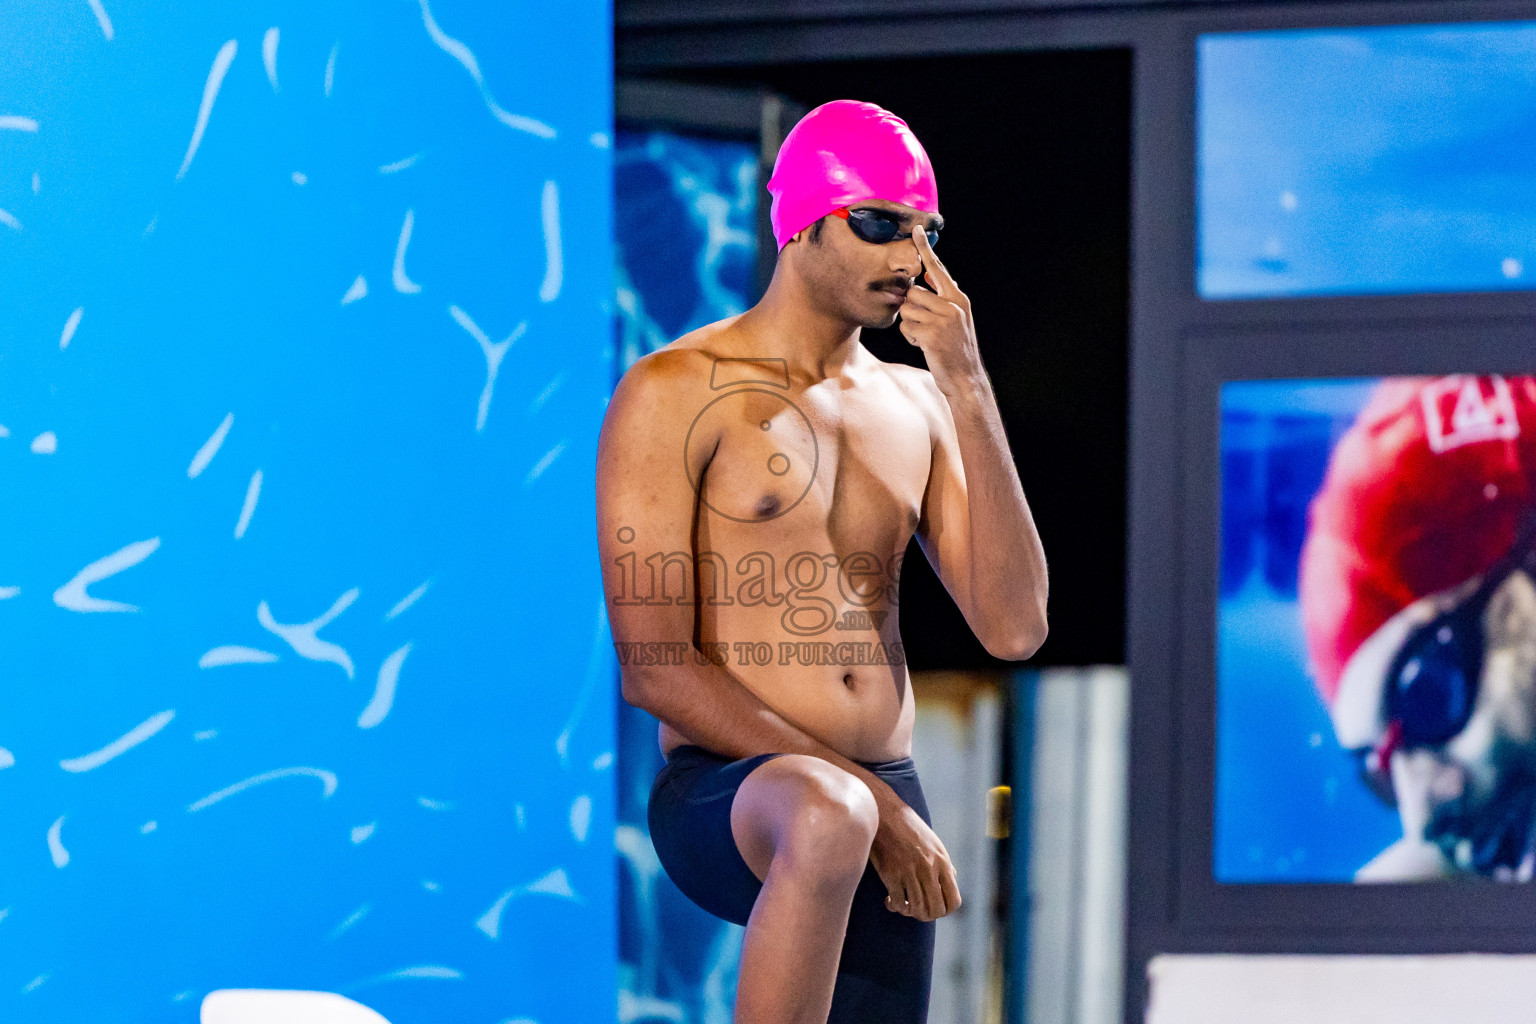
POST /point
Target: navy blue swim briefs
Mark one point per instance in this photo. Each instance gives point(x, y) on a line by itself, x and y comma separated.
point(886, 968)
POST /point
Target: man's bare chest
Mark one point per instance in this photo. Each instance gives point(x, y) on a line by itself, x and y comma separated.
point(840, 460)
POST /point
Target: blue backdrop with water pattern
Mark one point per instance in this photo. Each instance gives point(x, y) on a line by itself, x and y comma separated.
point(304, 681)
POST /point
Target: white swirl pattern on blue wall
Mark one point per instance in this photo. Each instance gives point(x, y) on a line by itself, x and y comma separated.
point(304, 677)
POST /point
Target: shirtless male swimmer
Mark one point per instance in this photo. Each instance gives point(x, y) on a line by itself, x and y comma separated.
point(757, 483)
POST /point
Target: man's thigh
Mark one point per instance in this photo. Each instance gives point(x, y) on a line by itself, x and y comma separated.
point(690, 821)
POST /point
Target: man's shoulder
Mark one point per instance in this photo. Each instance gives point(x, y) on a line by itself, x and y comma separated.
point(920, 398)
point(681, 363)
point(662, 378)
point(915, 382)
point(907, 376)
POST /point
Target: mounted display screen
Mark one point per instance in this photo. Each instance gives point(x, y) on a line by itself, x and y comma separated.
point(1376, 630)
point(1366, 160)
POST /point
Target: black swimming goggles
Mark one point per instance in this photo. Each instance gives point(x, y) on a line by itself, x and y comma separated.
point(1432, 682)
point(879, 226)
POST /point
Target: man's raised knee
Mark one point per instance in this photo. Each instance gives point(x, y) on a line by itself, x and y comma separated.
point(832, 819)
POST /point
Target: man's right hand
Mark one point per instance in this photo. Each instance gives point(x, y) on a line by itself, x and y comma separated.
point(918, 875)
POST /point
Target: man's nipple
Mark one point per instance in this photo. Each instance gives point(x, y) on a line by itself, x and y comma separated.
point(767, 506)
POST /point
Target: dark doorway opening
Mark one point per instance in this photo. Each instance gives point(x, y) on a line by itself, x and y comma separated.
point(1032, 153)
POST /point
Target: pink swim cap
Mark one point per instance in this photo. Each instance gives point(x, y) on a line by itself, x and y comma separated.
point(847, 152)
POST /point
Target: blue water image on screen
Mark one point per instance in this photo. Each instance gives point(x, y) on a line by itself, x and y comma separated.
point(304, 678)
point(1367, 160)
point(685, 246)
point(1290, 805)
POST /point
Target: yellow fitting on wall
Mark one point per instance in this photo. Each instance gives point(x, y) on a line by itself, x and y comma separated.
point(999, 811)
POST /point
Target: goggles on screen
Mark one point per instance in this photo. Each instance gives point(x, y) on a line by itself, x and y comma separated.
point(1432, 682)
point(879, 226)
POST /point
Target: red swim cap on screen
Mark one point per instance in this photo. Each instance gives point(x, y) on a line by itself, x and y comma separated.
point(1424, 491)
point(847, 152)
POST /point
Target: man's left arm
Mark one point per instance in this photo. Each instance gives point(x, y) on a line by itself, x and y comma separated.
point(976, 529)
